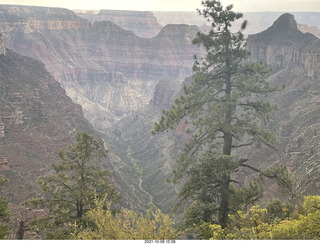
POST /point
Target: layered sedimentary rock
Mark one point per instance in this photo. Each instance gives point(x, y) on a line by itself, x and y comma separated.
point(164, 92)
point(257, 21)
point(142, 23)
point(108, 70)
point(295, 59)
point(284, 46)
point(36, 119)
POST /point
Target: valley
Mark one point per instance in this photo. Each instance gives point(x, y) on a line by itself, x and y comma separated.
point(112, 73)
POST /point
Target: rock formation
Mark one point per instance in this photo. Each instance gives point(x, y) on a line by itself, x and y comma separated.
point(36, 118)
point(108, 70)
point(164, 92)
point(296, 125)
point(283, 46)
point(257, 21)
point(295, 59)
point(142, 23)
point(309, 29)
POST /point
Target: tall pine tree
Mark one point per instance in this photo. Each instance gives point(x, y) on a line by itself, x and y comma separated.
point(224, 109)
point(70, 193)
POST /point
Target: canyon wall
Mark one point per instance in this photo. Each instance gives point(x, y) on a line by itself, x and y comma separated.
point(108, 70)
point(142, 23)
point(284, 46)
point(36, 119)
point(293, 56)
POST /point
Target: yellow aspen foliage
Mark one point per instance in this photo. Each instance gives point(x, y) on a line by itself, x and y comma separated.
point(127, 225)
point(258, 225)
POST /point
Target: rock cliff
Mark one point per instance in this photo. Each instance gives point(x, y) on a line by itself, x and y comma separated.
point(108, 70)
point(164, 92)
point(297, 125)
point(36, 118)
point(295, 59)
point(142, 23)
point(16, 18)
point(153, 155)
point(284, 46)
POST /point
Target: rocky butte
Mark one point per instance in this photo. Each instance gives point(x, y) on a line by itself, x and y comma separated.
point(284, 46)
point(295, 61)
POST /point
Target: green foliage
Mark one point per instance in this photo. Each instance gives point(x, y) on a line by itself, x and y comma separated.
point(69, 193)
point(278, 210)
point(4, 213)
point(126, 225)
point(269, 223)
point(224, 109)
point(286, 183)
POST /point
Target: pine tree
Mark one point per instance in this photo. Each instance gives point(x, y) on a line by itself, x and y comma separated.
point(224, 109)
point(4, 213)
point(70, 192)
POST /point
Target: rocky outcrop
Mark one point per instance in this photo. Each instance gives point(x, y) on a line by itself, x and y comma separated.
point(108, 70)
point(164, 93)
point(142, 23)
point(284, 46)
point(295, 59)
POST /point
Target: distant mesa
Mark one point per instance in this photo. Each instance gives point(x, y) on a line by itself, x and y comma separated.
point(142, 23)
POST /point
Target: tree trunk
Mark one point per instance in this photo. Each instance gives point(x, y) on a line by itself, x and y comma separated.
point(20, 232)
point(224, 201)
point(227, 146)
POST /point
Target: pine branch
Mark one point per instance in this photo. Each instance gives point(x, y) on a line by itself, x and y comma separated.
point(250, 167)
point(242, 145)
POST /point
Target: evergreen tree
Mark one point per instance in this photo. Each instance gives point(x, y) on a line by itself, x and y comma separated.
point(70, 192)
point(4, 213)
point(224, 109)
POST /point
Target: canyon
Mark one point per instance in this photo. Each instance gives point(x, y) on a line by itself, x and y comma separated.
point(123, 80)
point(108, 70)
point(293, 57)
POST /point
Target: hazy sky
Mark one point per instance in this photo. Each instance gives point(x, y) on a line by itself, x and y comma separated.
point(175, 5)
